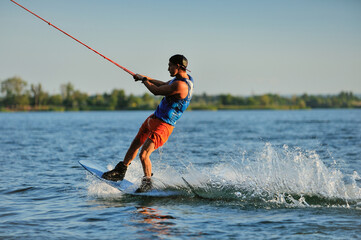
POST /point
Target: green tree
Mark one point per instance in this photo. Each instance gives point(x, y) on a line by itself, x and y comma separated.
point(79, 100)
point(134, 102)
point(251, 101)
point(113, 100)
point(226, 99)
point(148, 101)
point(67, 92)
point(265, 100)
point(122, 99)
point(38, 95)
point(346, 99)
point(55, 100)
point(15, 92)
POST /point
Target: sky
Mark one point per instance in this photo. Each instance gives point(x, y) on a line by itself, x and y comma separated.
point(241, 47)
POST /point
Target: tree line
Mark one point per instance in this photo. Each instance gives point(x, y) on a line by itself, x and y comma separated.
point(18, 96)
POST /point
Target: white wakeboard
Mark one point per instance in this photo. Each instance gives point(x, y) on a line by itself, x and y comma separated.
point(124, 186)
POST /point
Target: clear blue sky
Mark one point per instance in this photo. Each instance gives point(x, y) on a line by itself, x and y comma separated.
point(238, 47)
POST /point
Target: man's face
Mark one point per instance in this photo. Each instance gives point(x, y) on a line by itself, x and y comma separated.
point(172, 69)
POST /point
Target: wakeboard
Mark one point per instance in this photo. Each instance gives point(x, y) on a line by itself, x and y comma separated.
point(124, 186)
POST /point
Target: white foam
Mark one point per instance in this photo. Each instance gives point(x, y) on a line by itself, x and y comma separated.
point(281, 175)
point(100, 189)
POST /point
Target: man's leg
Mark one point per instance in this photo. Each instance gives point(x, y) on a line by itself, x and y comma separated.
point(118, 173)
point(146, 151)
point(132, 151)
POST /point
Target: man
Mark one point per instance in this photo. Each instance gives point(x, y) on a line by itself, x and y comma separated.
point(157, 128)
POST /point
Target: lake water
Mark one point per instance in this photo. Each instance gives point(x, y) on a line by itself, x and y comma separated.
point(261, 175)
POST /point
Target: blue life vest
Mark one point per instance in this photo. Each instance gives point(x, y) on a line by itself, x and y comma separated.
point(170, 108)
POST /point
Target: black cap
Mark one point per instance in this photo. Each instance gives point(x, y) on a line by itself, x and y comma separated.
point(179, 59)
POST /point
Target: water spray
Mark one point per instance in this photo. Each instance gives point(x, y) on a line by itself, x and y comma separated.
point(123, 68)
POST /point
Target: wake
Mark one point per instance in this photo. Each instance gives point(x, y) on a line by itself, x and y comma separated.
point(272, 177)
point(284, 176)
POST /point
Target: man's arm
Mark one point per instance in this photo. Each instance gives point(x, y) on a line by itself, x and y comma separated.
point(157, 82)
point(139, 77)
point(178, 88)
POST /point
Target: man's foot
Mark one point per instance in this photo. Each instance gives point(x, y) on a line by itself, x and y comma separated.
point(117, 174)
point(145, 186)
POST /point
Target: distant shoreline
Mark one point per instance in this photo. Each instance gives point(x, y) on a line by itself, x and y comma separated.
point(17, 97)
point(206, 108)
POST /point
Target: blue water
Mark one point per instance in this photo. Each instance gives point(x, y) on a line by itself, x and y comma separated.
point(260, 175)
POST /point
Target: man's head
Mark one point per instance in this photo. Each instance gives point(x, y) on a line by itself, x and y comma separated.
point(177, 63)
point(180, 60)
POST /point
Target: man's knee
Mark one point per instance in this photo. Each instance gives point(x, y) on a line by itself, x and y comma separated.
point(143, 154)
point(146, 150)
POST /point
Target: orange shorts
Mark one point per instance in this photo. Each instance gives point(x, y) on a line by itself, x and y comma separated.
point(156, 130)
